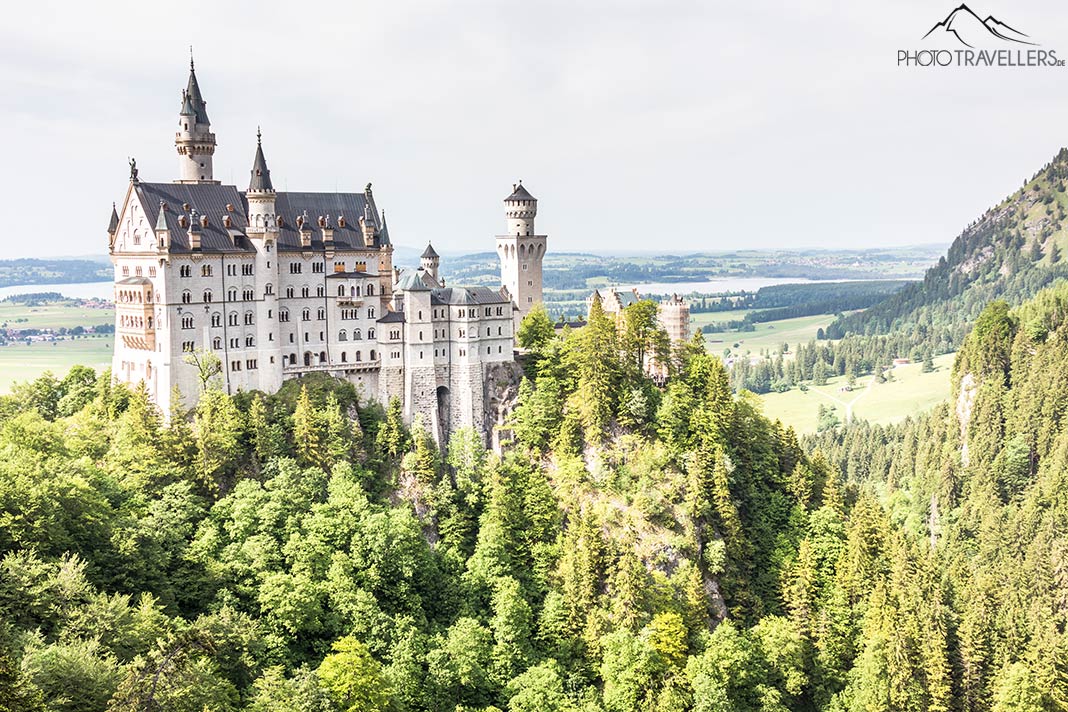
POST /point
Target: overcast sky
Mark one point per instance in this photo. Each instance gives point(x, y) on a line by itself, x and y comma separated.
point(666, 126)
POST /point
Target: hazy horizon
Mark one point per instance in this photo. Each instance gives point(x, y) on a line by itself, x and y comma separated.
point(694, 129)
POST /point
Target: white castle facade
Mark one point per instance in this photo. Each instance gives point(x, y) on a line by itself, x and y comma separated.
point(282, 284)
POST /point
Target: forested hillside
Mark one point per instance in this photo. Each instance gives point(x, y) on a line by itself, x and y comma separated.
point(634, 549)
point(1011, 252)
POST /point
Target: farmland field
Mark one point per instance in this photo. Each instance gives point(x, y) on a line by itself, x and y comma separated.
point(25, 362)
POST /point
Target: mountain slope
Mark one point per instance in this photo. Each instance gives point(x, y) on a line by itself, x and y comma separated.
point(1011, 252)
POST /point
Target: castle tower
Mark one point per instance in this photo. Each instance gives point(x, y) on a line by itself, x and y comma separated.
point(194, 140)
point(430, 261)
point(263, 234)
point(521, 252)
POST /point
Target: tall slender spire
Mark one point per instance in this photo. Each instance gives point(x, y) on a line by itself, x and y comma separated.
point(113, 226)
point(196, 99)
point(261, 175)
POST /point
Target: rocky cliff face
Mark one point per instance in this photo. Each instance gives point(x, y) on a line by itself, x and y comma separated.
point(501, 392)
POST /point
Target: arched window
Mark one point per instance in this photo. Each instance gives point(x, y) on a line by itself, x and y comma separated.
point(187, 297)
point(370, 290)
point(289, 292)
point(185, 271)
point(344, 357)
point(372, 354)
point(232, 320)
point(341, 290)
point(356, 335)
point(216, 343)
point(249, 318)
point(207, 295)
point(283, 315)
point(343, 335)
point(322, 357)
point(371, 335)
point(370, 312)
point(303, 291)
point(232, 294)
point(205, 271)
point(305, 315)
point(320, 291)
point(187, 322)
point(216, 319)
point(269, 289)
point(321, 314)
point(358, 357)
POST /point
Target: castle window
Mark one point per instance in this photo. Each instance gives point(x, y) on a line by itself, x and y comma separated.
point(251, 364)
point(291, 339)
point(235, 365)
point(498, 349)
point(246, 270)
point(185, 271)
point(370, 312)
point(420, 317)
point(151, 271)
point(341, 290)
point(372, 354)
point(342, 335)
point(498, 331)
point(320, 291)
point(205, 271)
point(125, 271)
point(498, 311)
point(207, 295)
point(317, 267)
point(470, 313)
point(249, 341)
point(233, 319)
point(305, 315)
point(187, 297)
point(231, 270)
point(344, 357)
point(321, 314)
point(322, 357)
point(289, 292)
point(356, 336)
point(283, 315)
point(487, 311)
point(188, 346)
point(235, 342)
point(216, 319)
point(322, 336)
point(216, 343)
point(370, 290)
point(137, 271)
point(269, 289)
point(248, 295)
point(249, 319)
point(359, 357)
point(303, 291)
point(292, 360)
point(294, 268)
point(187, 322)
point(232, 294)
point(356, 291)
point(370, 333)
point(420, 336)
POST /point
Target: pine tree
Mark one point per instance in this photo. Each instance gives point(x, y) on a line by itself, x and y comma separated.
point(306, 428)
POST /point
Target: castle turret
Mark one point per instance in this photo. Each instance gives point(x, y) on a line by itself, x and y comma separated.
point(430, 261)
point(521, 252)
point(194, 140)
point(261, 195)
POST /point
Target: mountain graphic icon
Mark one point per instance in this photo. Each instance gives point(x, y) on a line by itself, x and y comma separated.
point(970, 30)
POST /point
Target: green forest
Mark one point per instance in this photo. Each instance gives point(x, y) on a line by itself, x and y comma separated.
point(634, 548)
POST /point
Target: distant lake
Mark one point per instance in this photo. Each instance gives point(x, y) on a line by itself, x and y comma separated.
point(724, 284)
point(81, 290)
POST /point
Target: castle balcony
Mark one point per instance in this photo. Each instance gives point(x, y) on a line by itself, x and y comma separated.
point(360, 367)
point(349, 301)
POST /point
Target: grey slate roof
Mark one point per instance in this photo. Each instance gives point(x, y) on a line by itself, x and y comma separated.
point(412, 282)
point(520, 193)
point(349, 205)
point(206, 199)
point(261, 175)
point(113, 226)
point(429, 252)
point(392, 317)
point(467, 296)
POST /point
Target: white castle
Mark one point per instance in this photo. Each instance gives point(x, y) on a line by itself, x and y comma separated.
point(281, 284)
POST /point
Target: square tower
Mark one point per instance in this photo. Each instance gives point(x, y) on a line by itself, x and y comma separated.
point(521, 252)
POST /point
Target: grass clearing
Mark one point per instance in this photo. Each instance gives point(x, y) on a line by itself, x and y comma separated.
point(910, 393)
point(25, 362)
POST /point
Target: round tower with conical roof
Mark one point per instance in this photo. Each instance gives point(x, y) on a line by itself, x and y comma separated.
point(430, 261)
point(194, 140)
point(521, 252)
